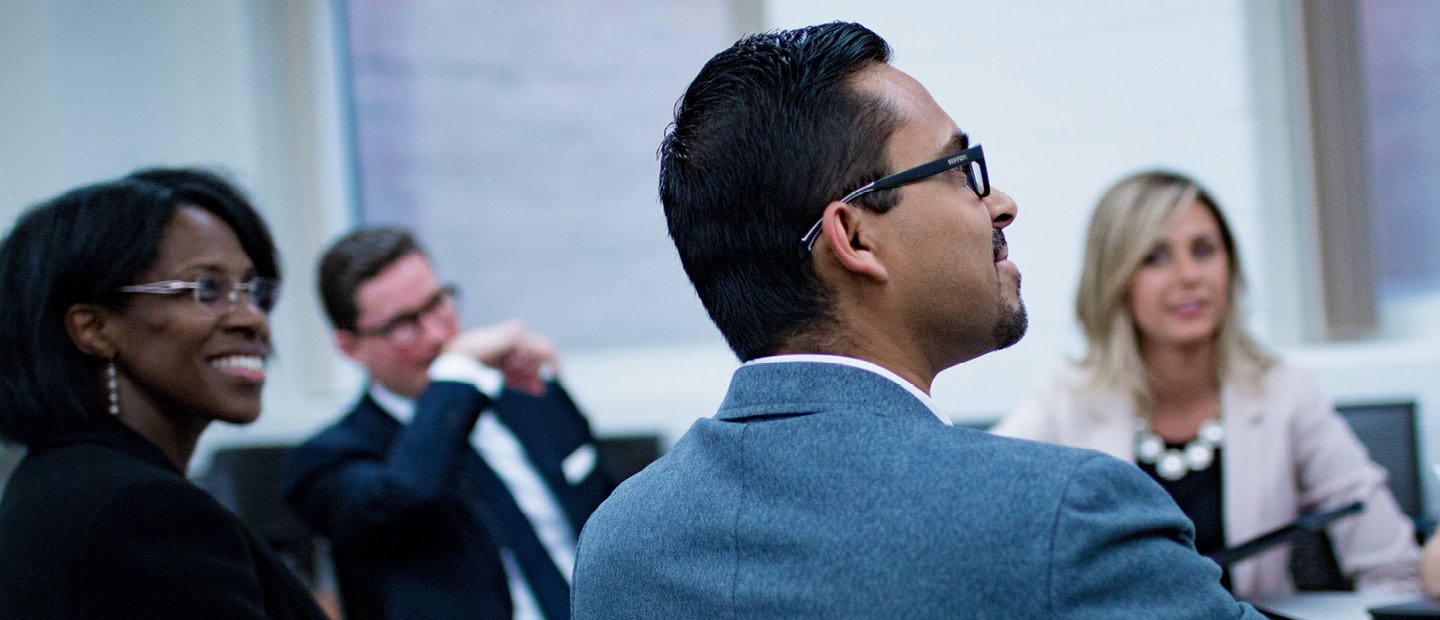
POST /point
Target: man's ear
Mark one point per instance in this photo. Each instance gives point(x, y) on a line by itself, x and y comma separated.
point(89, 327)
point(348, 343)
point(844, 228)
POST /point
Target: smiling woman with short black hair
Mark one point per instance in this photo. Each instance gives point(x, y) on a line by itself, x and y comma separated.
point(136, 313)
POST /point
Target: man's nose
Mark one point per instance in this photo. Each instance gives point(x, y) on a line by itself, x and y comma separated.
point(435, 327)
point(1002, 208)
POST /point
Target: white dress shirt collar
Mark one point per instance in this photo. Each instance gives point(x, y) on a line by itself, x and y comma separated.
point(856, 363)
point(402, 408)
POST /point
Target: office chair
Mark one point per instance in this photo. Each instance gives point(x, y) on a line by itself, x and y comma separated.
point(247, 481)
point(1387, 430)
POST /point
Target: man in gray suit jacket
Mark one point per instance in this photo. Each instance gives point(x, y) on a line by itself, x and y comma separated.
point(846, 272)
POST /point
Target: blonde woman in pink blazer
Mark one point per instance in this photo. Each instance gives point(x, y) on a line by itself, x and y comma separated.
point(1172, 382)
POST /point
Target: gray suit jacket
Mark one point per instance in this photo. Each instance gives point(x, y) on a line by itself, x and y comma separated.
point(822, 490)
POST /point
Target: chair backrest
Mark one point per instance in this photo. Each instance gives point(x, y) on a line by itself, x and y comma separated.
point(626, 455)
point(1388, 431)
point(247, 480)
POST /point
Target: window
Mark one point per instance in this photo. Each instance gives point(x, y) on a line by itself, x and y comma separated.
point(1375, 125)
point(518, 141)
point(1401, 61)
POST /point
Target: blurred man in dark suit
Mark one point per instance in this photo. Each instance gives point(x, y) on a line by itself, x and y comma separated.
point(456, 486)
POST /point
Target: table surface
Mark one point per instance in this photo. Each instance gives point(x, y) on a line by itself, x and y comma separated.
point(1329, 605)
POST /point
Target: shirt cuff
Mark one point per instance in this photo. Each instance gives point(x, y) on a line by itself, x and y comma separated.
point(458, 368)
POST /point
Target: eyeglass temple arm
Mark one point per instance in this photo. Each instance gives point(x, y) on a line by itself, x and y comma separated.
point(812, 235)
point(914, 174)
point(167, 286)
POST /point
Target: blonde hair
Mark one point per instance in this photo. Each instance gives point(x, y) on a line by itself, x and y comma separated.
point(1130, 218)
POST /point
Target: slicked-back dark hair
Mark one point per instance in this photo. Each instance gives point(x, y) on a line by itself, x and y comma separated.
point(770, 131)
point(80, 247)
point(354, 259)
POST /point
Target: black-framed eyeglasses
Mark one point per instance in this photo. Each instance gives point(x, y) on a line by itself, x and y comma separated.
point(977, 176)
point(215, 293)
point(404, 329)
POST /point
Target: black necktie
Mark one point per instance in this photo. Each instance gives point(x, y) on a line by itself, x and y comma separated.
point(514, 532)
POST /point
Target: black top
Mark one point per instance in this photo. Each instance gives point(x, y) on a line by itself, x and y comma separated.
point(98, 524)
point(1200, 495)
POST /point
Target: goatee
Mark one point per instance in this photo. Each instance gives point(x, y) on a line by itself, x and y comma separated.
point(1013, 321)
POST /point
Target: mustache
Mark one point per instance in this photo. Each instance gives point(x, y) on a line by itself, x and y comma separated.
point(999, 243)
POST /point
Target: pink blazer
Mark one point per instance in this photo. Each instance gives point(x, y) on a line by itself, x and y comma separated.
point(1286, 451)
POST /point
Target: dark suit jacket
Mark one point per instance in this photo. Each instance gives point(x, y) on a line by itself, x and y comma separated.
point(398, 503)
point(826, 491)
point(98, 524)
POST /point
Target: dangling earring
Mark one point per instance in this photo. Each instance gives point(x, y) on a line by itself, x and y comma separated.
point(114, 386)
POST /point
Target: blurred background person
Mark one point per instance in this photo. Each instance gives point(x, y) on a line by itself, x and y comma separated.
point(136, 313)
point(1172, 382)
point(435, 506)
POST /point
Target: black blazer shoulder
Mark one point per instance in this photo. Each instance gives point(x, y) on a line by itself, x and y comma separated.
point(99, 525)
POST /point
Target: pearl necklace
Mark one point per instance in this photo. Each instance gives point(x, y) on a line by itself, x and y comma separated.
point(1174, 463)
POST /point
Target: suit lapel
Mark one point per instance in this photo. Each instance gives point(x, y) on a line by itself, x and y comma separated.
point(372, 423)
point(1244, 499)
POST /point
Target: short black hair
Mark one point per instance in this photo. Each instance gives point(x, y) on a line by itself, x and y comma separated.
point(768, 133)
point(81, 247)
point(354, 259)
